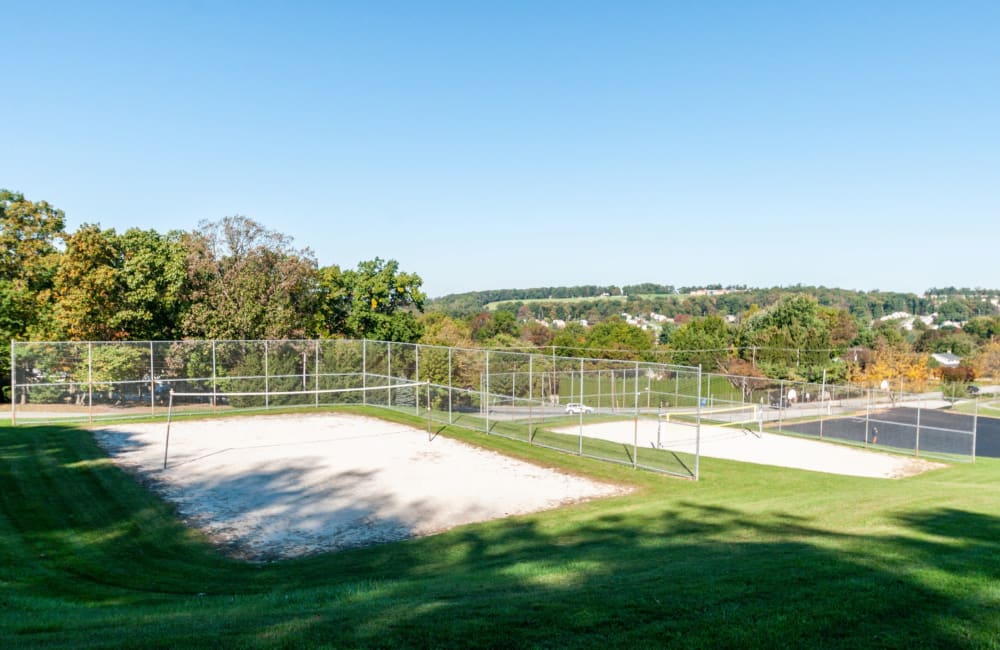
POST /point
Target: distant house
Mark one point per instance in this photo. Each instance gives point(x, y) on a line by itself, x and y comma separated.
point(947, 359)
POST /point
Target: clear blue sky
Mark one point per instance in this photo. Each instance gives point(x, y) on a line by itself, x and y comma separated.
point(524, 144)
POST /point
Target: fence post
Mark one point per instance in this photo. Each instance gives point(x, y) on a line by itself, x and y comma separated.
point(90, 381)
point(531, 391)
point(152, 381)
point(868, 410)
point(486, 393)
point(697, 434)
point(316, 370)
point(975, 425)
point(450, 421)
point(13, 385)
point(267, 379)
point(364, 371)
point(635, 421)
point(822, 393)
point(416, 353)
point(214, 378)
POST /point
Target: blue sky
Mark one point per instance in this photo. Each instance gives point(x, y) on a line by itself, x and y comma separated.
point(524, 144)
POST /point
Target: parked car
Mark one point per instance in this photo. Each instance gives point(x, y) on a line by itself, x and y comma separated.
point(577, 409)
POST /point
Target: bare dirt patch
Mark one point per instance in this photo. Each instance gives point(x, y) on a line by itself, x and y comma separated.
point(269, 487)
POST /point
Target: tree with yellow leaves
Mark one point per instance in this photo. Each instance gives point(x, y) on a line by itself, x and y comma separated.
point(902, 369)
point(987, 361)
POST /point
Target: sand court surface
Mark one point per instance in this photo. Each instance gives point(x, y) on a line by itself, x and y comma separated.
point(269, 487)
point(759, 448)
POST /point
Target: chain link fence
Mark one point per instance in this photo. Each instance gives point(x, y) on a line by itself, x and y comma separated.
point(531, 397)
point(522, 396)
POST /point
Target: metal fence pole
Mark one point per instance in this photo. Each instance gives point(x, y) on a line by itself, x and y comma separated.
point(486, 392)
point(531, 378)
point(13, 385)
point(416, 353)
point(388, 373)
point(975, 426)
point(90, 381)
point(635, 421)
point(822, 393)
point(152, 381)
point(697, 435)
point(782, 401)
point(364, 371)
point(868, 410)
point(267, 379)
point(214, 377)
point(450, 389)
point(316, 370)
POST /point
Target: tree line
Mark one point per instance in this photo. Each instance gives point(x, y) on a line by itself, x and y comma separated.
point(234, 279)
point(948, 305)
point(229, 279)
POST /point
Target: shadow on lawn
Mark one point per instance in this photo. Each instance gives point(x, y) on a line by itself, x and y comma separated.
point(692, 575)
point(685, 574)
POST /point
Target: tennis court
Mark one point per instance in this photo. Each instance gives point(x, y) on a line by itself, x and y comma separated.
point(928, 430)
point(276, 486)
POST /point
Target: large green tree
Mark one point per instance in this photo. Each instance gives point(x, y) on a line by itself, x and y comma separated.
point(617, 339)
point(30, 236)
point(154, 284)
point(248, 282)
point(87, 288)
point(129, 286)
point(375, 301)
point(789, 339)
point(702, 342)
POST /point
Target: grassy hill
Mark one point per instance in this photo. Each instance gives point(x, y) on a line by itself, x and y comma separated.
point(750, 556)
point(492, 306)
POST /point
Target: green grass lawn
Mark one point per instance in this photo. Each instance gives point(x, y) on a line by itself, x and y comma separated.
point(750, 556)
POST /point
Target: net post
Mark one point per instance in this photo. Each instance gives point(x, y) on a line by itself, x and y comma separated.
point(166, 442)
point(427, 392)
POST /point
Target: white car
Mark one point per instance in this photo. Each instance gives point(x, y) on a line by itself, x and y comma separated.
point(576, 409)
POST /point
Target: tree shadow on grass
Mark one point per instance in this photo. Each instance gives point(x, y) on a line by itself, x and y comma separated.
point(686, 574)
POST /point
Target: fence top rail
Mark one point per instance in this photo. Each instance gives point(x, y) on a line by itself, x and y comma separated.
point(321, 391)
point(535, 353)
